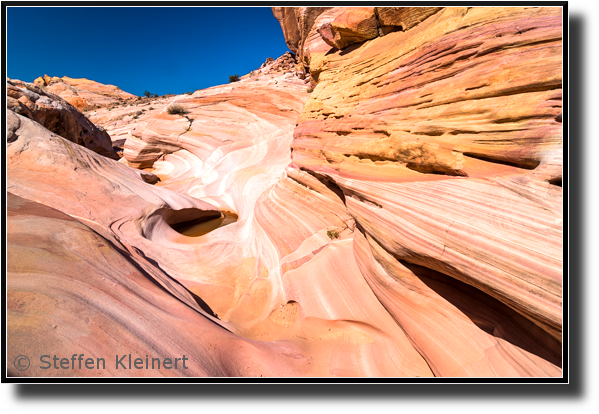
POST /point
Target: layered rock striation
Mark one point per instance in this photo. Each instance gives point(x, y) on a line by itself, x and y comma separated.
point(72, 291)
point(404, 219)
point(445, 141)
point(310, 32)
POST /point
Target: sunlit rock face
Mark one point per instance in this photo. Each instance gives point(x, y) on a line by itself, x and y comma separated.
point(446, 142)
point(311, 32)
point(72, 291)
point(92, 242)
point(83, 93)
point(57, 115)
point(284, 270)
point(281, 274)
point(402, 219)
point(224, 117)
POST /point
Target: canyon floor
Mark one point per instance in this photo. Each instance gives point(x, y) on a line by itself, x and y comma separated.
point(385, 201)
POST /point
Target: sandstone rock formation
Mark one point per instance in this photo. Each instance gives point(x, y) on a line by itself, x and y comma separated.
point(352, 25)
point(404, 219)
point(445, 141)
point(286, 63)
point(231, 275)
point(67, 298)
point(312, 31)
point(83, 93)
point(57, 115)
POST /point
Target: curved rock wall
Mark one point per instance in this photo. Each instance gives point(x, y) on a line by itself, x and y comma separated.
point(71, 291)
point(445, 140)
point(403, 219)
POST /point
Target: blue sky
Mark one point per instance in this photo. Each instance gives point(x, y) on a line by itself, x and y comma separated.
point(161, 49)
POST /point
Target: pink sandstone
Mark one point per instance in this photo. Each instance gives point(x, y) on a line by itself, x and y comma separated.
point(83, 93)
point(449, 161)
point(403, 219)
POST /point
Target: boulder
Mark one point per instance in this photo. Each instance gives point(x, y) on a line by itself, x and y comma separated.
point(57, 115)
point(354, 25)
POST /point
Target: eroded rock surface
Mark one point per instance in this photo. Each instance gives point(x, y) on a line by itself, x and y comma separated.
point(72, 291)
point(310, 32)
point(83, 93)
point(446, 143)
point(57, 115)
point(403, 219)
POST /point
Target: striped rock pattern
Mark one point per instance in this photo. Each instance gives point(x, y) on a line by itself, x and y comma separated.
point(404, 219)
point(445, 141)
point(71, 291)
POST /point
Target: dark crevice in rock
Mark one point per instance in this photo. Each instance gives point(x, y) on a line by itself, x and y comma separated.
point(436, 169)
point(149, 178)
point(348, 49)
point(328, 182)
point(429, 133)
point(505, 92)
point(360, 198)
point(518, 45)
point(556, 181)
point(177, 219)
point(489, 314)
point(385, 30)
point(489, 132)
point(381, 131)
point(525, 163)
point(477, 87)
point(522, 118)
point(180, 218)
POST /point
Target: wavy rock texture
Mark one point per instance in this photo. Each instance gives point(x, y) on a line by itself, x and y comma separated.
point(121, 120)
point(71, 291)
point(310, 32)
point(57, 115)
point(253, 273)
point(306, 304)
point(445, 141)
point(404, 219)
point(98, 265)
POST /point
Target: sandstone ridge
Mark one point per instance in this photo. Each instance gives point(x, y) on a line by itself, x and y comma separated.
point(57, 115)
point(84, 93)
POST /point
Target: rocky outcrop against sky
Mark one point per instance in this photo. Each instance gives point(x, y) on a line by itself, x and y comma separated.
point(84, 93)
point(385, 201)
point(56, 115)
